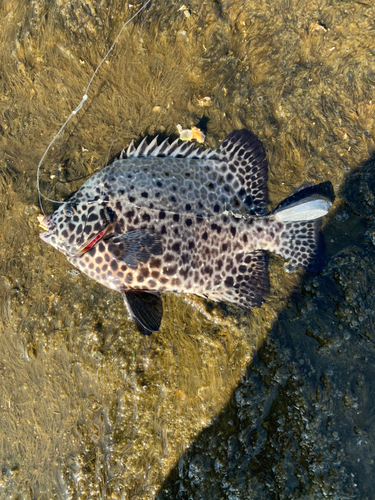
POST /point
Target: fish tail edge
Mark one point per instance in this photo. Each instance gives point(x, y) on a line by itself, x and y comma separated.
point(300, 243)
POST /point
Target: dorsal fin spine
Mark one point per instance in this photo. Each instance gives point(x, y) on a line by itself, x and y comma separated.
point(175, 149)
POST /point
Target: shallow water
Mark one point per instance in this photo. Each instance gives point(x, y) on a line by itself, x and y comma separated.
point(276, 404)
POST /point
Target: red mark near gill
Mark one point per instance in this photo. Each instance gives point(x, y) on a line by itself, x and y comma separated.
point(92, 242)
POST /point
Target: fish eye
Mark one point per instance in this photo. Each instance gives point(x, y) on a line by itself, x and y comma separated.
point(69, 211)
point(109, 214)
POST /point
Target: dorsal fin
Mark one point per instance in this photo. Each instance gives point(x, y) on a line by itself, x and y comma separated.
point(245, 168)
point(239, 163)
point(176, 149)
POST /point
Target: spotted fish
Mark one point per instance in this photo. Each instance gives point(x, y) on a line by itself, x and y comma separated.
point(170, 217)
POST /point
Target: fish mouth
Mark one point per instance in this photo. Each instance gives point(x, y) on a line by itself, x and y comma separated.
point(49, 227)
point(47, 224)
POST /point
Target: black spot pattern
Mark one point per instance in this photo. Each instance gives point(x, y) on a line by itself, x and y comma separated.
point(188, 203)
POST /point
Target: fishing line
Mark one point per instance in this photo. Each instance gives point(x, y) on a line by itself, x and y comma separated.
point(75, 111)
point(109, 151)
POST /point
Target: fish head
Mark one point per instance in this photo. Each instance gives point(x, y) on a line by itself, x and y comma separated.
point(76, 226)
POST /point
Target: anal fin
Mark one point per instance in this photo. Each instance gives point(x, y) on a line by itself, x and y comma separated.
point(246, 289)
point(145, 308)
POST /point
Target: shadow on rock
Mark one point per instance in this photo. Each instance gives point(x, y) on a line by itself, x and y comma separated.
point(301, 424)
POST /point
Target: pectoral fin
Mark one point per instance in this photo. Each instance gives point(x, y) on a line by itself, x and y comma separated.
point(145, 308)
point(135, 247)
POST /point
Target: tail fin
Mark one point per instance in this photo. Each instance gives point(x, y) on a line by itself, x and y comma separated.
point(301, 244)
point(300, 240)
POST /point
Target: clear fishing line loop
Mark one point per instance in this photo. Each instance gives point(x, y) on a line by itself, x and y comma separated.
point(75, 111)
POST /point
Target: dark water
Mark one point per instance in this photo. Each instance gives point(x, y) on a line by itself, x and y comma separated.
point(276, 404)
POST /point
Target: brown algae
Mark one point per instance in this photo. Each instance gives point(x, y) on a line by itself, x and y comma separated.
point(89, 408)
